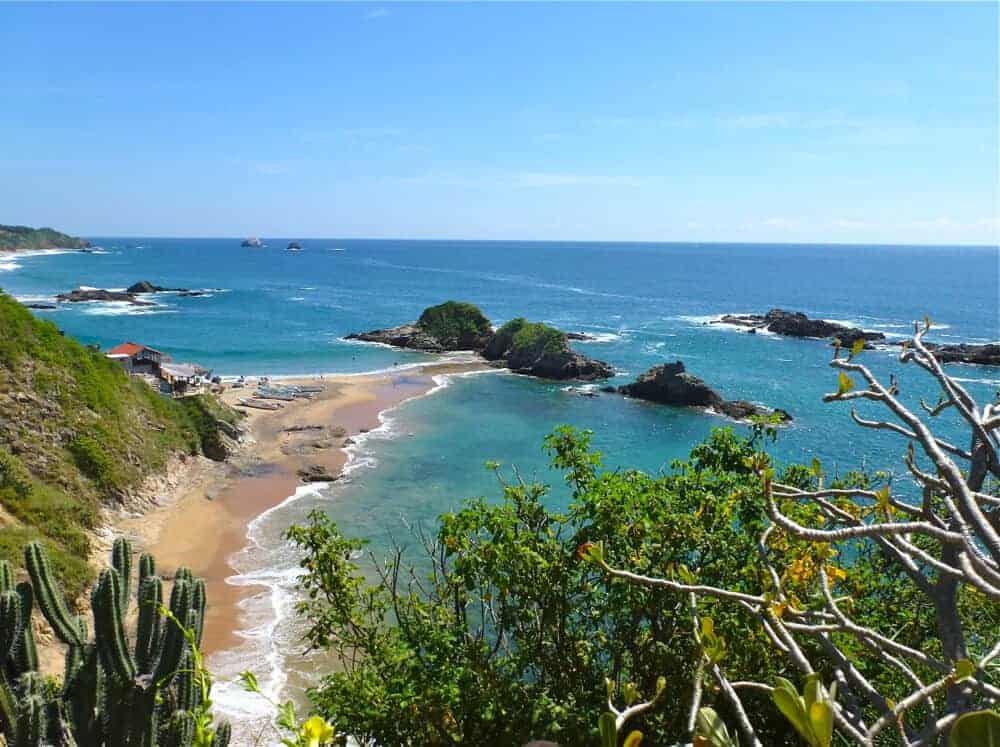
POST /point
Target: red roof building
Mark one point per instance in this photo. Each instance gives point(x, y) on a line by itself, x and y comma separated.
point(138, 358)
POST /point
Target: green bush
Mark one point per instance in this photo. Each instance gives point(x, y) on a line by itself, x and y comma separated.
point(456, 323)
point(94, 461)
point(504, 634)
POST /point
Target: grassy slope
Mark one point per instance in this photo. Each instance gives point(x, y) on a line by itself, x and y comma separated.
point(77, 432)
point(21, 238)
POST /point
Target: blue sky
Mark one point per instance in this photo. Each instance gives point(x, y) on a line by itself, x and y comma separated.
point(850, 122)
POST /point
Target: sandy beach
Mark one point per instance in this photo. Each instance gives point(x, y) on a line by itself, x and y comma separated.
point(198, 514)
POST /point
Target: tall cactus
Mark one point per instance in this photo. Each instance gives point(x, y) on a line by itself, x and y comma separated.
point(51, 600)
point(116, 692)
point(121, 561)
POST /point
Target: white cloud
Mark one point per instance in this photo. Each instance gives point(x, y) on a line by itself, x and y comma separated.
point(377, 13)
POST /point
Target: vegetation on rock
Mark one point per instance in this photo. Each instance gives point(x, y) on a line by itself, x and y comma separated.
point(456, 324)
point(24, 238)
point(523, 338)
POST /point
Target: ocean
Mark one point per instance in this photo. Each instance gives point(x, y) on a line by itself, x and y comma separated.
point(267, 311)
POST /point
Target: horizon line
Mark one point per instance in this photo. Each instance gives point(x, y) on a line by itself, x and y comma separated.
point(713, 242)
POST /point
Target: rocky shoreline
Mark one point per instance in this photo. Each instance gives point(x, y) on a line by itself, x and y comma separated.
point(529, 348)
point(987, 354)
point(797, 324)
point(143, 287)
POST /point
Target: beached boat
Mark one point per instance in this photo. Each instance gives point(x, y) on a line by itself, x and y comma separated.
point(260, 405)
point(282, 397)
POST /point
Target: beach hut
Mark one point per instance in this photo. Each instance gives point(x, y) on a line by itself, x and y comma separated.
point(137, 358)
point(181, 377)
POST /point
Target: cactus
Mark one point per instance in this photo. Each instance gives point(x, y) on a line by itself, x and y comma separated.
point(109, 627)
point(50, 598)
point(24, 655)
point(10, 622)
point(6, 576)
point(121, 561)
point(148, 628)
point(147, 567)
point(223, 734)
point(180, 731)
point(116, 692)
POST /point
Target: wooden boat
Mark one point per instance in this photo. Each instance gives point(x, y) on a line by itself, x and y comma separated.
point(258, 404)
point(282, 397)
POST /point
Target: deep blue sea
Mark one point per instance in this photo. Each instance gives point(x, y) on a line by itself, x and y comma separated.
point(275, 312)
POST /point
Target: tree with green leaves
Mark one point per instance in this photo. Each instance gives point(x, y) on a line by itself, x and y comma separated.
point(938, 545)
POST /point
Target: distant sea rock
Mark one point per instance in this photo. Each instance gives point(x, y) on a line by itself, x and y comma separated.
point(980, 355)
point(525, 347)
point(144, 286)
point(797, 324)
point(81, 295)
point(671, 384)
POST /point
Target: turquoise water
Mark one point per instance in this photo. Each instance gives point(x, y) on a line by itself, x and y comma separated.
point(276, 312)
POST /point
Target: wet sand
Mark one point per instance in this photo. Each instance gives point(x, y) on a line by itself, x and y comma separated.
point(202, 521)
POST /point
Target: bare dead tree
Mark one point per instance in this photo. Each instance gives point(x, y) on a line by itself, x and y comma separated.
point(948, 540)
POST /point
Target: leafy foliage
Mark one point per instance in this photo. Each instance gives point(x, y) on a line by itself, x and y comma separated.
point(503, 632)
point(455, 324)
point(508, 635)
point(519, 336)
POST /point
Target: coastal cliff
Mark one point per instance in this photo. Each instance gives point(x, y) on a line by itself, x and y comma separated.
point(25, 238)
point(529, 348)
point(78, 434)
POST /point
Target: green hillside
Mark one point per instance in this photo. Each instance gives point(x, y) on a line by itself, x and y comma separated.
point(23, 238)
point(78, 432)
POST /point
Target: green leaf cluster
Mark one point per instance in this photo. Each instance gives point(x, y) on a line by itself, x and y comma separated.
point(456, 324)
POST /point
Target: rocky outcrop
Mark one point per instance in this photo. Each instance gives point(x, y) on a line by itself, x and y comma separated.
point(671, 384)
point(537, 349)
point(408, 336)
point(980, 355)
point(797, 324)
point(450, 326)
point(317, 473)
point(525, 347)
point(144, 286)
point(81, 295)
point(559, 365)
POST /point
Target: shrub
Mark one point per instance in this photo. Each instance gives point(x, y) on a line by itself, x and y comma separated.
point(456, 323)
